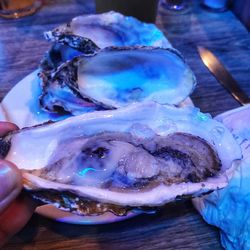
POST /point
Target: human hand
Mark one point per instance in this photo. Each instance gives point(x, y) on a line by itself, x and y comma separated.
point(15, 209)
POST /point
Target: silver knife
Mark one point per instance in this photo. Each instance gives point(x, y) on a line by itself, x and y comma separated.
point(222, 75)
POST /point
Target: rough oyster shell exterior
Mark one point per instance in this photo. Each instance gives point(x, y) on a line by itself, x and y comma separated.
point(112, 29)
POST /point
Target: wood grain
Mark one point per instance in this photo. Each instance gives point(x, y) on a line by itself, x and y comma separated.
point(224, 35)
point(176, 226)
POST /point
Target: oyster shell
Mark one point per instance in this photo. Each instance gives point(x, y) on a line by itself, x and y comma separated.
point(66, 48)
point(138, 157)
point(115, 77)
point(111, 29)
point(107, 29)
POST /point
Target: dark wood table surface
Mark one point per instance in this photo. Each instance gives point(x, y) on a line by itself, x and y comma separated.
point(176, 226)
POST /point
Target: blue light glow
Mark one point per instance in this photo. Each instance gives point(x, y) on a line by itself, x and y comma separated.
point(202, 117)
point(217, 4)
point(85, 171)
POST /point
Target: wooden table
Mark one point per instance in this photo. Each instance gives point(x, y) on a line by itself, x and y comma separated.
point(177, 226)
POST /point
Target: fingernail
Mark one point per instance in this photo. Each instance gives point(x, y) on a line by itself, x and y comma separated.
point(8, 181)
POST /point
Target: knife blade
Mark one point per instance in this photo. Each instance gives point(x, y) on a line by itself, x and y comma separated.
point(222, 75)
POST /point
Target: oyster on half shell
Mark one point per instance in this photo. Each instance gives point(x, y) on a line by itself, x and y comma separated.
point(115, 77)
point(138, 157)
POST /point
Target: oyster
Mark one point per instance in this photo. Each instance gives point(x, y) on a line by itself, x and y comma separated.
point(138, 157)
point(107, 29)
point(66, 48)
point(115, 77)
point(111, 29)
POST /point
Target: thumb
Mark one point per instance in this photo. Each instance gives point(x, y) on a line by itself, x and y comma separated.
point(10, 183)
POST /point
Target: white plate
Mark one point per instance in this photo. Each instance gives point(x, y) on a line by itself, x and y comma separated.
point(24, 109)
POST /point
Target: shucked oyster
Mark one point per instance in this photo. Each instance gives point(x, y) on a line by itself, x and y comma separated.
point(138, 157)
point(115, 77)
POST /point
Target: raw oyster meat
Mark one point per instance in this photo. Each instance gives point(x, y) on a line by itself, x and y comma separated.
point(115, 77)
point(107, 29)
point(138, 157)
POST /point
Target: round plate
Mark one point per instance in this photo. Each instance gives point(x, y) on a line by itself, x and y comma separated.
point(24, 110)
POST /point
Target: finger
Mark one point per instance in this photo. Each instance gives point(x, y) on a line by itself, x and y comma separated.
point(15, 217)
point(6, 127)
point(10, 183)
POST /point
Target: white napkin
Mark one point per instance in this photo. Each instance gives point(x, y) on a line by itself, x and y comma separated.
point(229, 208)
